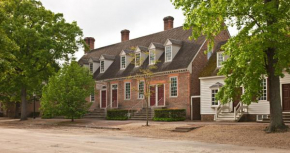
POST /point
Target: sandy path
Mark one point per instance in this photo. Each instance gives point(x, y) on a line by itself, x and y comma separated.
point(57, 141)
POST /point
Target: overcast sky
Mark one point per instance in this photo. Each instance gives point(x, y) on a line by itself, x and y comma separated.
point(104, 19)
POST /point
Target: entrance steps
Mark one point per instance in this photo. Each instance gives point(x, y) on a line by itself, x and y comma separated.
point(228, 117)
point(96, 114)
point(141, 115)
point(285, 115)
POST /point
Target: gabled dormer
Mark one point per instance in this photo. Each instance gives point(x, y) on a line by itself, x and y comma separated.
point(125, 58)
point(172, 46)
point(155, 51)
point(221, 57)
point(105, 62)
point(141, 54)
point(93, 64)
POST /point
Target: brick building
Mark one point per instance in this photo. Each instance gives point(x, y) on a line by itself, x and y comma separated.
point(175, 81)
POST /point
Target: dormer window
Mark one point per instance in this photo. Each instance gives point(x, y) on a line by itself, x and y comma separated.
point(91, 65)
point(102, 70)
point(123, 62)
point(137, 59)
point(152, 57)
point(168, 53)
point(220, 59)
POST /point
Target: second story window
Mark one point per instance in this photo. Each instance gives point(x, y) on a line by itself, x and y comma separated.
point(91, 67)
point(152, 57)
point(102, 66)
point(220, 59)
point(137, 59)
point(123, 62)
point(168, 53)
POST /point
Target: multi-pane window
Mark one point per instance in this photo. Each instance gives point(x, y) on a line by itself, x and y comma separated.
point(123, 62)
point(102, 66)
point(92, 96)
point(173, 87)
point(137, 59)
point(152, 57)
point(264, 90)
point(141, 90)
point(220, 59)
point(91, 67)
point(168, 53)
point(127, 90)
point(214, 101)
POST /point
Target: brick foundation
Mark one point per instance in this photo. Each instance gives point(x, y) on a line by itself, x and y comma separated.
point(207, 117)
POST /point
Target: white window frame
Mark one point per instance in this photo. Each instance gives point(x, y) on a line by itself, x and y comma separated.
point(139, 89)
point(102, 70)
point(125, 98)
point(92, 95)
point(91, 67)
point(211, 97)
point(170, 94)
point(150, 61)
point(264, 98)
point(218, 61)
point(166, 60)
point(139, 64)
point(123, 65)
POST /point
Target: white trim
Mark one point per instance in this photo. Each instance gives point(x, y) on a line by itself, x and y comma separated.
point(101, 98)
point(125, 91)
point(176, 87)
point(218, 102)
point(171, 53)
point(112, 96)
point(156, 95)
point(101, 66)
point(212, 77)
point(139, 90)
point(121, 65)
point(150, 57)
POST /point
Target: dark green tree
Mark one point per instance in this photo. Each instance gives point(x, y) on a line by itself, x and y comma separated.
point(66, 92)
point(260, 49)
point(42, 39)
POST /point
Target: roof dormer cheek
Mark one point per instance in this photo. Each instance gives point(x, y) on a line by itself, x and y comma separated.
point(105, 62)
point(126, 57)
point(172, 47)
point(155, 52)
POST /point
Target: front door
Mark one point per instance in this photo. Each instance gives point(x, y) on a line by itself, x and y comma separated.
point(160, 95)
point(152, 96)
point(286, 97)
point(237, 98)
point(104, 99)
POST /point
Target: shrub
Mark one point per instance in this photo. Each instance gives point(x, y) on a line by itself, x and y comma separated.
point(169, 115)
point(116, 114)
point(36, 114)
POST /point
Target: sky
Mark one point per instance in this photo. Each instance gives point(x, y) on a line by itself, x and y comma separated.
point(104, 19)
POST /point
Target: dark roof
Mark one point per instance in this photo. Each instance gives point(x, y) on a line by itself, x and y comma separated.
point(211, 68)
point(83, 61)
point(182, 59)
point(143, 48)
point(108, 57)
point(158, 45)
point(95, 59)
point(176, 42)
point(128, 51)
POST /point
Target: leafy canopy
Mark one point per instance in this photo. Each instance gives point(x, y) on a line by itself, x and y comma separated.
point(66, 92)
point(261, 24)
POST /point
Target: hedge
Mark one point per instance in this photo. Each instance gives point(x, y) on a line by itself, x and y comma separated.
point(169, 115)
point(116, 114)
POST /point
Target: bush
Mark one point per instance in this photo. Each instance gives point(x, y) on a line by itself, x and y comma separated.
point(116, 114)
point(36, 114)
point(169, 115)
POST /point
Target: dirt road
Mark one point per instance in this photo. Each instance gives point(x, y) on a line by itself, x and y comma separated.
point(57, 141)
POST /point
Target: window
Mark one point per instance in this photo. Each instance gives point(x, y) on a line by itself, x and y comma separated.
point(91, 67)
point(152, 57)
point(173, 87)
point(102, 66)
point(141, 90)
point(137, 59)
point(127, 91)
point(123, 62)
point(214, 102)
point(168, 53)
point(220, 59)
point(264, 90)
point(93, 97)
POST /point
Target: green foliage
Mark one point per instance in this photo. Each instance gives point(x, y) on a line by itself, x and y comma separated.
point(32, 41)
point(263, 28)
point(116, 114)
point(169, 115)
point(66, 92)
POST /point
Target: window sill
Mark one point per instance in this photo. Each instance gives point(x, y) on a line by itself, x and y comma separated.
point(214, 106)
point(173, 96)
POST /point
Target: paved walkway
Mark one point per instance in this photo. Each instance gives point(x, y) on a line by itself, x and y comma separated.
point(49, 141)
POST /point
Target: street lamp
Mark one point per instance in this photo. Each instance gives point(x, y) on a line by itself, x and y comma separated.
point(34, 95)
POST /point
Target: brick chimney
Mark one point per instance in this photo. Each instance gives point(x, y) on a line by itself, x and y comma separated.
point(125, 35)
point(168, 23)
point(90, 42)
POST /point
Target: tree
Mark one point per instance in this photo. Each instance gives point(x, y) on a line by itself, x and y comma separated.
point(66, 92)
point(260, 49)
point(43, 38)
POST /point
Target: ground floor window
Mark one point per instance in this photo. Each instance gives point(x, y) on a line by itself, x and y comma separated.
point(141, 90)
point(127, 91)
point(93, 97)
point(173, 87)
point(264, 90)
point(214, 101)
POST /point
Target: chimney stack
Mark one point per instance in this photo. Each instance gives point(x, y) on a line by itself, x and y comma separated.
point(90, 42)
point(168, 23)
point(125, 35)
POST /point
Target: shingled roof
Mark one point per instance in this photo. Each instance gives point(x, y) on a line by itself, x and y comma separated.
point(181, 61)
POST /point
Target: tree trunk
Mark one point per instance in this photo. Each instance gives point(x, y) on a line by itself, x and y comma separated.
point(23, 104)
point(72, 119)
point(147, 119)
point(276, 121)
